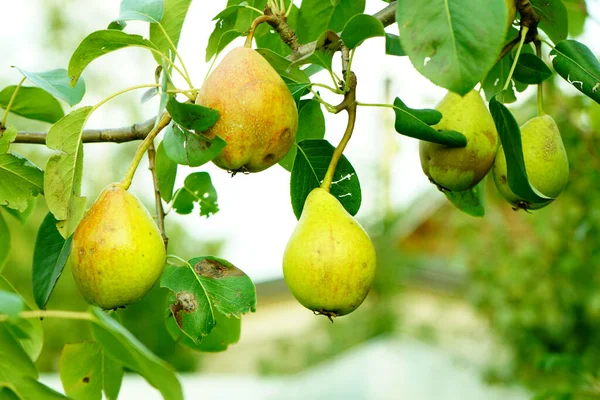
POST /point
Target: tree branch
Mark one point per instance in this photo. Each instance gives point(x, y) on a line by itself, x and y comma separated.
point(160, 211)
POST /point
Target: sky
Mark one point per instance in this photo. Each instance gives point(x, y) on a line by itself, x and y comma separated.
point(256, 218)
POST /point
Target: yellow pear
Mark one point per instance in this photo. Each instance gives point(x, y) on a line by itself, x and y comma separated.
point(259, 118)
point(545, 159)
point(117, 253)
point(459, 169)
point(329, 261)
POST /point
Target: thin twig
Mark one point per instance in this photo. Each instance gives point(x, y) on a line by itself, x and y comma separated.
point(160, 211)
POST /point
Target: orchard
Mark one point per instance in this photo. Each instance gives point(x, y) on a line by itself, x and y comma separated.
point(256, 110)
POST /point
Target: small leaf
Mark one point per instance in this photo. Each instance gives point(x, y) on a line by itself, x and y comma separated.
point(510, 136)
point(531, 69)
point(117, 25)
point(21, 180)
point(470, 201)
point(49, 259)
point(327, 44)
point(187, 148)
point(32, 103)
point(317, 16)
point(7, 136)
point(99, 43)
point(11, 304)
point(360, 28)
point(578, 66)
point(393, 46)
point(172, 20)
point(141, 10)
point(57, 83)
point(4, 242)
point(120, 345)
point(148, 95)
point(414, 123)
point(197, 188)
point(166, 172)
point(553, 18)
point(310, 167)
point(192, 116)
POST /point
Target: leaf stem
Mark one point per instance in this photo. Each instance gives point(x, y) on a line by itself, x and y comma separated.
point(10, 102)
point(174, 48)
point(120, 92)
point(171, 63)
point(164, 121)
point(540, 87)
point(329, 107)
point(181, 260)
point(289, 10)
point(254, 9)
point(524, 30)
point(331, 89)
point(86, 316)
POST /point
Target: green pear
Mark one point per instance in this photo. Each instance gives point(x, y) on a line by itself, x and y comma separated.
point(545, 159)
point(459, 169)
point(258, 115)
point(117, 253)
point(329, 261)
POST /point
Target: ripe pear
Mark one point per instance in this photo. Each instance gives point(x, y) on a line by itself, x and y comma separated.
point(459, 169)
point(545, 159)
point(259, 118)
point(117, 253)
point(329, 261)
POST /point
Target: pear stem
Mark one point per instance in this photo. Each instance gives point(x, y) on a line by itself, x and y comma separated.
point(524, 30)
point(10, 103)
point(86, 316)
point(160, 211)
point(540, 87)
point(164, 121)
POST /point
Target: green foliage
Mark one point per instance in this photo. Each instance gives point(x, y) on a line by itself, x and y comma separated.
point(33, 103)
point(317, 16)
point(578, 66)
point(57, 83)
point(197, 188)
point(470, 201)
point(20, 180)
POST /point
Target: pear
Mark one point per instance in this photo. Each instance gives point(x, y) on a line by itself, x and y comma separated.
point(259, 118)
point(329, 261)
point(459, 169)
point(117, 253)
point(545, 159)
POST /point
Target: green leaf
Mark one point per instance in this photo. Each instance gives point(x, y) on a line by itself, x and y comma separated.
point(393, 46)
point(289, 73)
point(317, 16)
point(22, 216)
point(577, 14)
point(452, 43)
point(4, 242)
point(531, 69)
point(172, 21)
point(415, 124)
point(192, 116)
point(310, 167)
point(311, 125)
point(121, 346)
point(62, 183)
point(27, 331)
point(99, 43)
point(30, 389)
point(510, 136)
point(226, 331)
point(14, 361)
point(553, 18)
point(49, 259)
point(166, 172)
point(327, 44)
point(197, 188)
point(203, 286)
point(117, 25)
point(85, 371)
point(141, 10)
point(11, 304)
point(32, 103)
point(266, 37)
point(495, 80)
point(57, 83)
point(7, 136)
point(21, 180)
point(470, 201)
point(187, 148)
point(360, 28)
point(579, 66)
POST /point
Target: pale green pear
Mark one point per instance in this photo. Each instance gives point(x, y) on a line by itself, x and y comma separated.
point(258, 115)
point(329, 261)
point(545, 159)
point(459, 169)
point(117, 253)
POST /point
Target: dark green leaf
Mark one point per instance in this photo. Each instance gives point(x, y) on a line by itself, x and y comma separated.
point(470, 201)
point(553, 18)
point(21, 180)
point(99, 43)
point(174, 144)
point(311, 125)
point(360, 28)
point(298, 90)
point(393, 46)
point(197, 188)
point(510, 136)
point(415, 124)
point(310, 166)
point(141, 10)
point(4, 242)
point(317, 16)
point(495, 80)
point(187, 148)
point(452, 43)
point(327, 44)
point(289, 73)
point(531, 69)
point(49, 258)
point(192, 116)
point(32, 103)
point(172, 21)
point(57, 83)
point(579, 66)
point(120, 345)
point(166, 172)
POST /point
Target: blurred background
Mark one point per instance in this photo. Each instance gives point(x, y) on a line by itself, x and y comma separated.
point(501, 307)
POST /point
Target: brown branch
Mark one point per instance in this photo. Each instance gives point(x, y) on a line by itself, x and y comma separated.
point(160, 211)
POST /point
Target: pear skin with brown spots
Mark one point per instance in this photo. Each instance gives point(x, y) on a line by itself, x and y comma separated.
point(117, 253)
point(258, 115)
